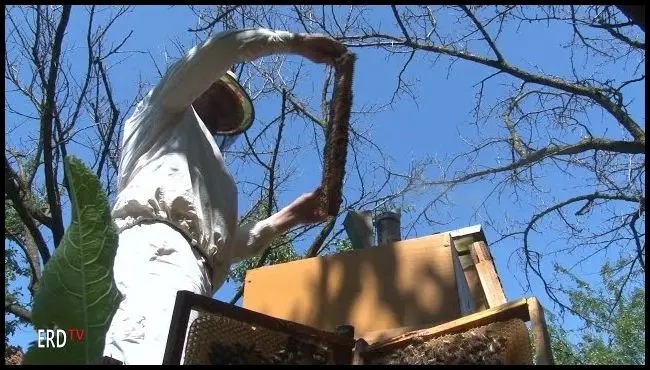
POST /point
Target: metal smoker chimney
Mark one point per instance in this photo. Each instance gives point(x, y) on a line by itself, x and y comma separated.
point(388, 226)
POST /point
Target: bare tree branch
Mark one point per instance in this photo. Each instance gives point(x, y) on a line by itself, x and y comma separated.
point(487, 37)
point(32, 256)
point(115, 116)
point(634, 12)
point(587, 144)
point(622, 37)
point(18, 310)
point(216, 20)
point(317, 245)
point(12, 190)
point(614, 109)
point(640, 250)
point(46, 129)
point(399, 22)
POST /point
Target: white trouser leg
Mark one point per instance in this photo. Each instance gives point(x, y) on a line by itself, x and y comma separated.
point(153, 262)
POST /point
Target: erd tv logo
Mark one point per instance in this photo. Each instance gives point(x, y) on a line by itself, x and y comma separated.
point(57, 338)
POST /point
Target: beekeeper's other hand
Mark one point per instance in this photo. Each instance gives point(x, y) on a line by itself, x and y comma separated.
point(318, 48)
point(255, 237)
point(307, 209)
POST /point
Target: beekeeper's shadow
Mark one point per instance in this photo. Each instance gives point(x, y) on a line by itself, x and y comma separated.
point(337, 293)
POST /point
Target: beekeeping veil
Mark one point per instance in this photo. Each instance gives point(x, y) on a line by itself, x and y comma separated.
point(226, 110)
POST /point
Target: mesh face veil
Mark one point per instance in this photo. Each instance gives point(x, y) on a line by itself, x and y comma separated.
point(226, 110)
point(225, 142)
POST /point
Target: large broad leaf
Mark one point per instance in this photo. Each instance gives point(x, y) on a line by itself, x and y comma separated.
point(77, 290)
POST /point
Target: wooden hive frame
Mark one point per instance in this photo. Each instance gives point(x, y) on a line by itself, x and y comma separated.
point(341, 342)
point(336, 136)
point(489, 297)
point(525, 309)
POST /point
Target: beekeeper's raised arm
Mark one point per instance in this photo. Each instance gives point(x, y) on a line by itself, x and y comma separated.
point(203, 64)
point(188, 78)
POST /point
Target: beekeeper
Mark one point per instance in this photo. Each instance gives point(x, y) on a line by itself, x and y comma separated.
point(176, 208)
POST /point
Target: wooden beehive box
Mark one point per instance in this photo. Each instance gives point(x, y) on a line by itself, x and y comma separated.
point(412, 283)
point(497, 335)
point(479, 268)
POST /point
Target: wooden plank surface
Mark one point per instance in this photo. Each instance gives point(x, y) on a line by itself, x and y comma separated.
point(465, 236)
point(514, 310)
point(480, 252)
point(465, 297)
point(382, 335)
point(541, 337)
point(475, 287)
point(487, 274)
point(406, 283)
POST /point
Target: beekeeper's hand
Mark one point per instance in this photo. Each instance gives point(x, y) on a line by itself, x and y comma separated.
point(318, 48)
point(306, 209)
point(255, 237)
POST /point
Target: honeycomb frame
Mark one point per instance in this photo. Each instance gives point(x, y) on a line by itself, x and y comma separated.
point(227, 323)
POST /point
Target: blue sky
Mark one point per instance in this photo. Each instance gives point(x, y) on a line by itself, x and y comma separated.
point(434, 125)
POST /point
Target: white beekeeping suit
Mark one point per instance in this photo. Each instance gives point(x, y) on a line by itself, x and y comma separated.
point(176, 208)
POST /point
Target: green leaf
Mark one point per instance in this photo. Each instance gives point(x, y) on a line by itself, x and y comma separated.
point(615, 330)
point(77, 288)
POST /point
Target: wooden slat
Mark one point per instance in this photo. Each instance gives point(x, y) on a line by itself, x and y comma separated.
point(254, 318)
point(480, 252)
point(487, 274)
point(360, 347)
point(542, 339)
point(465, 297)
point(474, 283)
point(464, 237)
point(382, 335)
point(490, 283)
point(514, 310)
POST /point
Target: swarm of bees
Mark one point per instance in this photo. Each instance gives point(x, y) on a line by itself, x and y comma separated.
point(336, 136)
point(293, 353)
point(468, 348)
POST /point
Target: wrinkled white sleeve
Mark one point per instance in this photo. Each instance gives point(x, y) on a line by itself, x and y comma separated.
point(204, 64)
point(253, 238)
point(192, 75)
point(188, 78)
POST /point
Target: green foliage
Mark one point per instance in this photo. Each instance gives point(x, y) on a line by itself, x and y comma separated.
point(13, 225)
point(13, 269)
point(77, 288)
point(12, 323)
point(337, 246)
point(342, 245)
point(281, 254)
point(281, 249)
point(615, 325)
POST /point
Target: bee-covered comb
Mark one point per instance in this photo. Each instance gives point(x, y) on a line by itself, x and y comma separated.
point(336, 136)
